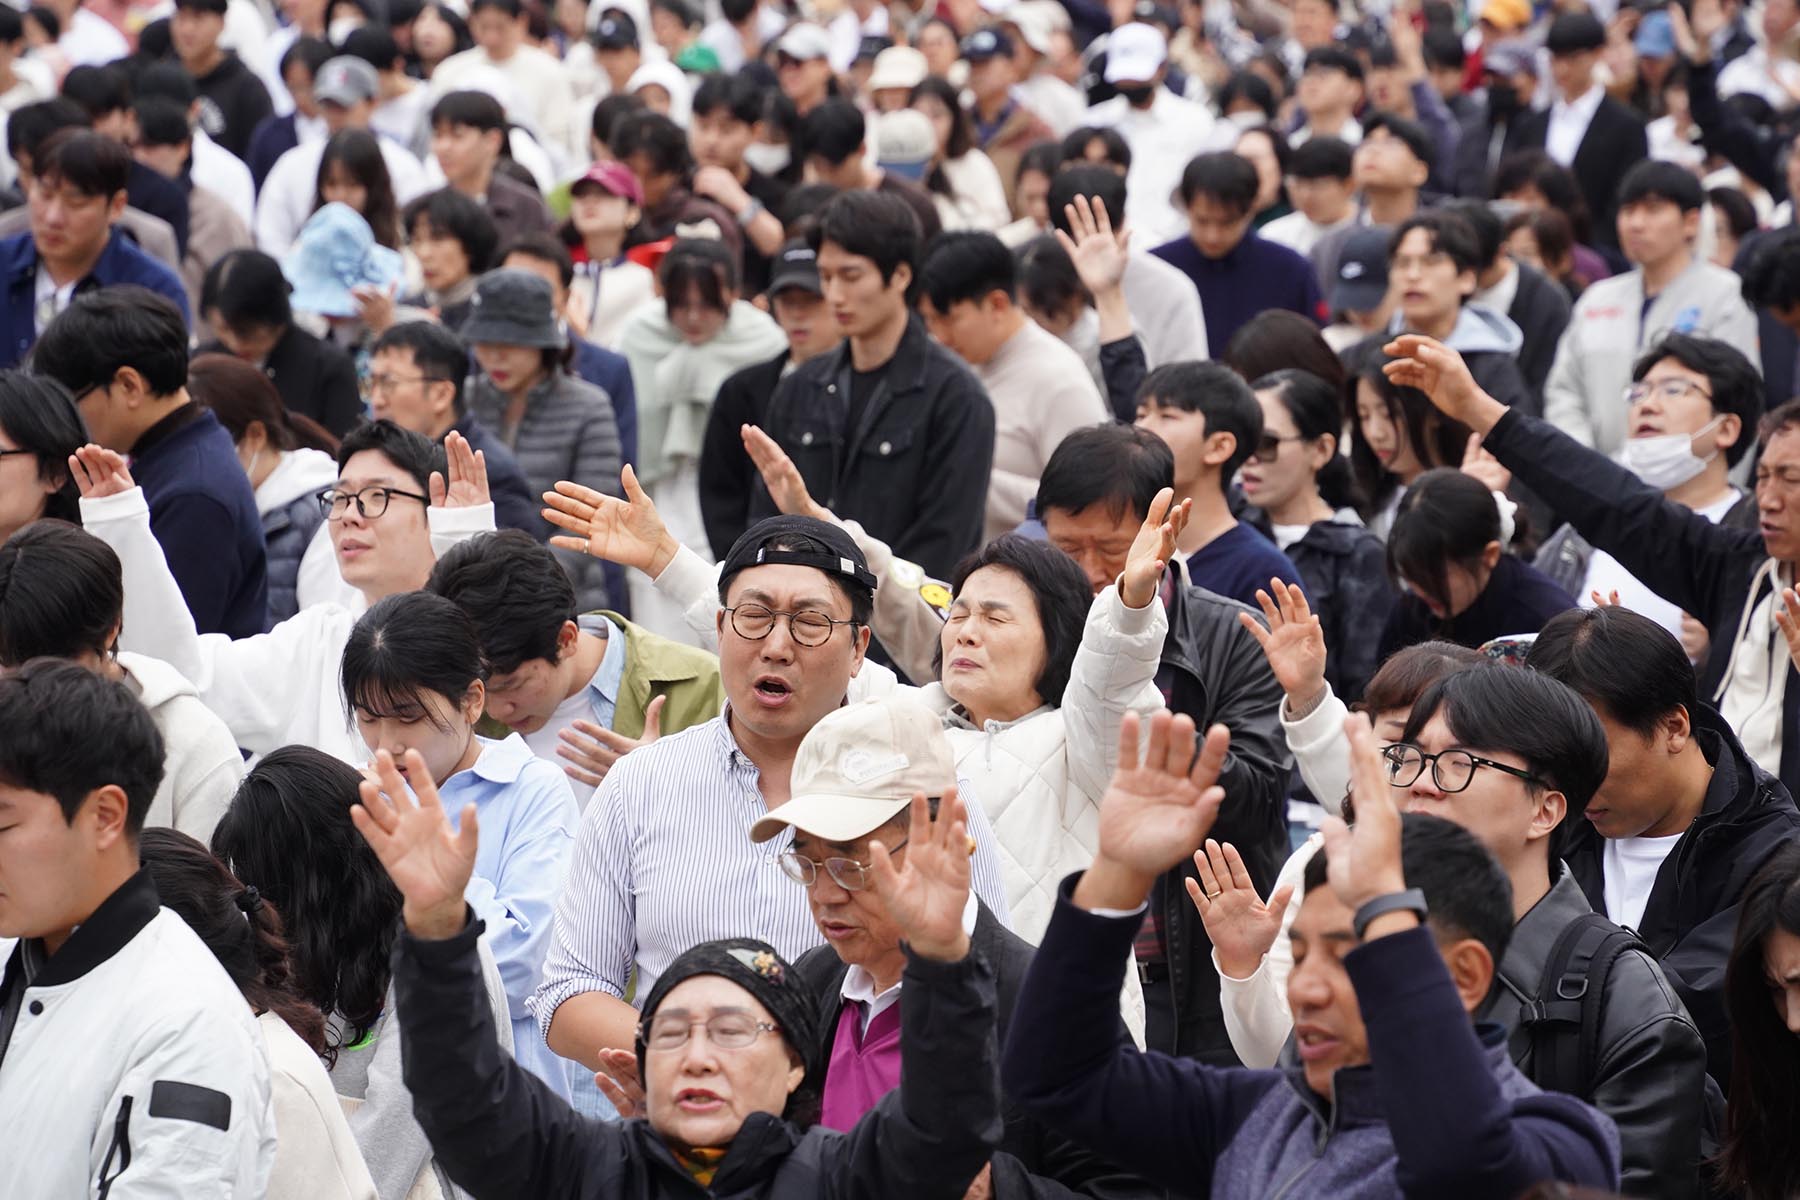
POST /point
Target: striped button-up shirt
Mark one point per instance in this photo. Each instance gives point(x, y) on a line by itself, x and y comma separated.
point(664, 862)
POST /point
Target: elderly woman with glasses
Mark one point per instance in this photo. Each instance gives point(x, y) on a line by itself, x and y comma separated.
point(726, 1047)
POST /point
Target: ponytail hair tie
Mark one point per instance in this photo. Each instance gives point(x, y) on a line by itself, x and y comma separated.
point(249, 900)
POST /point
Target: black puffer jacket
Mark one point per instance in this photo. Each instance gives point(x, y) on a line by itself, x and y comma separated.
point(1345, 570)
point(499, 1132)
point(1692, 912)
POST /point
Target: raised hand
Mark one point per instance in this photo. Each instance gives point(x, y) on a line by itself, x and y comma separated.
point(1151, 550)
point(927, 896)
point(618, 1080)
point(1241, 926)
point(1294, 644)
point(1365, 862)
point(468, 485)
point(780, 475)
point(1157, 809)
point(1439, 372)
point(1477, 462)
point(629, 532)
point(428, 861)
point(1098, 252)
point(591, 751)
point(99, 472)
point(374, 306)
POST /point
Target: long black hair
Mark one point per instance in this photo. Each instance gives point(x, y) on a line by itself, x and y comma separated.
point(1316, 409)
point(241, 928)
point(1435, 440)
point(1060, 590)
point(1446, 518)
point(37, 414)
point(357, 151)
point(962, 129)
point(1757, 1161)
point(406, 647)
point(240, 393)
point(288, 834)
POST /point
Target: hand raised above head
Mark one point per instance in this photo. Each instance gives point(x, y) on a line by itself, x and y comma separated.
point(403, 820)
point(467, 469)
point(629, 532)
point(1152, 549)
point(1294, 642)
point(926, 897)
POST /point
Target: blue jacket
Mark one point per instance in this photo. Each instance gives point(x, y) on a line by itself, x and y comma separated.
point(120, 262)
point(203, 513)
point(609, 372)
point(1440, 1111)
point(1255, 274)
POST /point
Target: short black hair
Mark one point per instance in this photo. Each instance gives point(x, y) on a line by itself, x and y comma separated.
point(1466, 889)
point(412, 452)
point(1335, 58)
point(1555, 182)
point(1043, 157)
point(99, 90)
point(515, 593)
point(406, 647)
point(698, 265)
point(373, 43)
point(1627, 666)
point(1250, 87)
point(1445, 518)
point(248, 290)
point(1075, 143)
point(1277, 339)
point(1653, 179)
point(109, 329)
point(1442, 48)
point(1095, 183)
point(1731, 206)
point(657, 138)
point(455, 215)
point(1058, 587)
point(1771, 276)
point(610, 114)
point(1417, 140)
point(1048, 281)
point(1120, 466)
point(161, 122)
point(36, 414)
point(1483, 222)
point(544, 247)
point(67, 732)
point(438, 352)
point(31, 125)
point(879, 226)
point(1219, 394)
point(512, 8)
point(1527, 713)
point(966, 265)
point(62, 592)
point(1321, 158)
point(1227, 179)
point(1448, 235)
point(12, 27)
point(310, 52)
point(833, 131)
point(89, 162)
point(740, 96)
point(477, 110)
point(1737, 386)
point(169, 81)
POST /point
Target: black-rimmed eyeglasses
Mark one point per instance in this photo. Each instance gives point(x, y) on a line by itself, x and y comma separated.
point(371, 502)
point(753, 623)
point(1451, 770)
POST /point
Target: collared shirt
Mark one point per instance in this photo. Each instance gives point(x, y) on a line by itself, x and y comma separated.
point(1569, 124)
point(664, 862)
point(528, 819)
point(1500, 297)
point(859, 986)
point(598, 699)
point(49, 298)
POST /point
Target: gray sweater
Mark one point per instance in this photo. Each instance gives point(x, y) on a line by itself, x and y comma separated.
point(567, 432)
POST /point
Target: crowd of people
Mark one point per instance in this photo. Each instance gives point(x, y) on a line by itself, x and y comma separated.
point(556, 557)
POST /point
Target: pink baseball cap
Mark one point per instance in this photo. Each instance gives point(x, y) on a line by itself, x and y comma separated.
point(616, 178)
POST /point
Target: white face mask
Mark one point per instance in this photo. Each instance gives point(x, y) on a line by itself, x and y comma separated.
point(1667, 460)
point(769, 160)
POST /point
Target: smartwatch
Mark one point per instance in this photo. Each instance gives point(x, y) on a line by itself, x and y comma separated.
point(1411, 900)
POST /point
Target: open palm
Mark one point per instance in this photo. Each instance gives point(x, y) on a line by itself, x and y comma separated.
point(1294, 641)
point(428, 861)
point(1157, 811)
point(1096, 250)
point(779, 474)
point(927, 896)
point(629, 532)
point(1151, 550)
point(466, 485)
point(1240, 925)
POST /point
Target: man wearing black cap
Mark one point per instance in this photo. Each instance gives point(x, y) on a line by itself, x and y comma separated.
point(661, 862)
point(616, 49)
point(1004, 128)
point(1585, 129)
point(726, 473)
point(1491, 127)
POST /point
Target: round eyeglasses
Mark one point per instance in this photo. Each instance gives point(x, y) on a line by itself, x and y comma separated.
point(1451, 770)
point(753, 622)
point(847, 873)
point(726, 1030)
point(371, 502)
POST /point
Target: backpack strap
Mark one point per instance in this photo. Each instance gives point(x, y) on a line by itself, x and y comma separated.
point(1565, 1016)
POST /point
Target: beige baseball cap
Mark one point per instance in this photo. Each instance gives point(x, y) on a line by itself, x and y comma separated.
point(858, 769)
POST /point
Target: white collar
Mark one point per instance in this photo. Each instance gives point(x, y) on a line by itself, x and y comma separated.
point(1583, 106)
point(859, 985)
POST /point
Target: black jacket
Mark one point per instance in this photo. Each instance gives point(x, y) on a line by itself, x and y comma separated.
point(915, 474)
point(498, 1131)
point(233, 102)
point(1344, 568)
point(727, 476)
point(1613, 144)
point(1213, 670)
point(1702, 568)
point(1650, 1074)
point(315, 378)
point(1479, 149)
point(1518, 599)
point(1032, 1162)
point(1541, 310)
point(1692, 913)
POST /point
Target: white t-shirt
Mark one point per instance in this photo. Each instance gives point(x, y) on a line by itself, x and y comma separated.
point(1630, 866)
point(48, 299)
point(1606, 575)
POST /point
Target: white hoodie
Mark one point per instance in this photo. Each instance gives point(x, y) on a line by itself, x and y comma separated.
point(201, 762)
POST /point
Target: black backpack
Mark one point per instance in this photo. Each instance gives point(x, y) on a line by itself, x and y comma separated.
point(1563, 1019)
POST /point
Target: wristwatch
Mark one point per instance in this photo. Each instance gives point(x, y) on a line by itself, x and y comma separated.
point(749, 212)
point(1412, 899)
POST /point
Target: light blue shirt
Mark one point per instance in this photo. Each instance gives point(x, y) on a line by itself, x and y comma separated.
point(528, 819)
point(603, 688)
